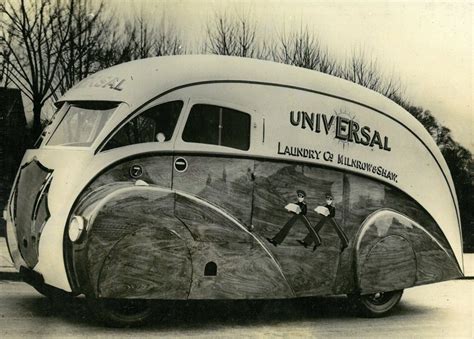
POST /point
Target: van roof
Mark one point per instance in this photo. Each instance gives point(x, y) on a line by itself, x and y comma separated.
point(137, 82)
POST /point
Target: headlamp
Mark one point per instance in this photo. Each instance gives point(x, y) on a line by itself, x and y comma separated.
point(76, 227)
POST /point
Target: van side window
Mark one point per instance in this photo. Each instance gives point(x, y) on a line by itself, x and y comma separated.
point(215, 125)
point(156, 124)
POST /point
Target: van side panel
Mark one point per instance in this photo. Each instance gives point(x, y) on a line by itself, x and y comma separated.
point(151, 242)
point(366, 196)
point(392, 255)
point(224, 181)
point(155, 170)
point(244, 268)
point(208, 236)
point(228, 261)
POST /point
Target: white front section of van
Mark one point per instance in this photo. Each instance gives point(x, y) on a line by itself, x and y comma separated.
point(68, 166)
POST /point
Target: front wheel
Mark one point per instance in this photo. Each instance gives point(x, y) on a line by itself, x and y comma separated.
point(376, 304)
point(120, 312)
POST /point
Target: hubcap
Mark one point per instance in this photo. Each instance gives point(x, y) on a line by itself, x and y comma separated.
point(379, 298)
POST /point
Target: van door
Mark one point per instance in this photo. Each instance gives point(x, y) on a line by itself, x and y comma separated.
point(214, 182)
point(210, 161)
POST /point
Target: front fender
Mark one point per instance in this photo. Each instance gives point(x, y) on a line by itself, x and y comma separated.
point(131, 233)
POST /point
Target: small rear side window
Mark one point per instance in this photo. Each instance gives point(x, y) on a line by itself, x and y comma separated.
point(214, 125)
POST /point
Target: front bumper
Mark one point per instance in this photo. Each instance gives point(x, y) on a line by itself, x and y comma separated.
point(36, 280)
point(12, 242)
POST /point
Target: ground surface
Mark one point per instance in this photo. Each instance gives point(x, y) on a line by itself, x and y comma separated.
point(439, 310)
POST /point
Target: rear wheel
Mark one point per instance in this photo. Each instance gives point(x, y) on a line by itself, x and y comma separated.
point(120, 312)
point(376, 304)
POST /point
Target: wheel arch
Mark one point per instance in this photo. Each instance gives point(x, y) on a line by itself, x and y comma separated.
point(114, 214)
point(394, 252)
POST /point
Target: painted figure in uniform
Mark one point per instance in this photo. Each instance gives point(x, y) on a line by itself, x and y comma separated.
point(299, 212)
point(308, 240)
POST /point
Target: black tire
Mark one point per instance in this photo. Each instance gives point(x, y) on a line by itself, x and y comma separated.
point(121, 312)
point(376, 305)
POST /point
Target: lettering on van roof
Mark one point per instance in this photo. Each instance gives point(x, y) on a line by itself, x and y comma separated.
point(345, 129)
point(108, 81)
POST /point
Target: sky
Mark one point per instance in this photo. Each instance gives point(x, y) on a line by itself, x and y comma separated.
point(428, 45)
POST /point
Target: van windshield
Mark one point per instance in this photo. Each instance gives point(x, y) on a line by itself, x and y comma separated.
point(82, 123)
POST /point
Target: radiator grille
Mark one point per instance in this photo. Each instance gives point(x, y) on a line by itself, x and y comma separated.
point(30, 211)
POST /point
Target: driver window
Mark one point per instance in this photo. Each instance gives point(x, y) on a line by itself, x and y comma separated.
point(156, 124)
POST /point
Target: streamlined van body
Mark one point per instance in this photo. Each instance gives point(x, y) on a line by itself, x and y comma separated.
point(210, 177)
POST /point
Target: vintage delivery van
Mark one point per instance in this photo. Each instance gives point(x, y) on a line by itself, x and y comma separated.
point(210, 177)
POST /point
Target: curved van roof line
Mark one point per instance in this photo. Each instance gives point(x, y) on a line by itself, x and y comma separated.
point(141, 81)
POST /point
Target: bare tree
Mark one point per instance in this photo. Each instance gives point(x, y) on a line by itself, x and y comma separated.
point(115, 49)
point(168, 42)
point(4, 76)
point(88, 32)
point(99, 40)
point(364, 70)
point(231, 35)
point(33, 36)
point(245, 38)
point(143, 37)
point(303, 49)
point(141, 34)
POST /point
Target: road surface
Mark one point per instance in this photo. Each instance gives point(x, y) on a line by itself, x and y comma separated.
point(443, 310)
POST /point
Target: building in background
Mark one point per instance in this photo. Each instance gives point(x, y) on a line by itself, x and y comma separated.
point(12, 140)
